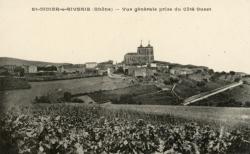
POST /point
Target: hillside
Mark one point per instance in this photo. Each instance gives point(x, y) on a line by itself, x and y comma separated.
point(178, 65)
point(19, 62)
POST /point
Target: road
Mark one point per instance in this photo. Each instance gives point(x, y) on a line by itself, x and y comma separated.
point(204, 95)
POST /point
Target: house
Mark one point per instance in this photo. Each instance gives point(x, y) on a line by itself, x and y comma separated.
point(91, 65)
point(47, 68)
point(140, 71)
point(199, 77)
point(181, 71)
point(10, 68)
point(3, 71)
point(102, 72)
point(161, 66)
point(32, 69)
point(60, 69)
point(105, 65)
point(153, 65)
point(71, 69)
point(25, 68)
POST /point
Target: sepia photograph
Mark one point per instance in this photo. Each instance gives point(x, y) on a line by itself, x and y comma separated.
point(125, 77)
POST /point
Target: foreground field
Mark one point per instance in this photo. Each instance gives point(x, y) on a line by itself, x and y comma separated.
point(229, 116)
point(79, 129)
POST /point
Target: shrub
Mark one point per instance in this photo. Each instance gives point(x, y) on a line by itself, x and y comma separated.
point(42, 99)
point(201, 83)
point(173, 80)
point(247, 104)
point(124, 99)
point(77, 100)
point(119, 70)
point(167, 82)
point(50, 97)
point(232, 73)
point(236, 79)
point(67, 96)
point(211, 71)
point(127, 99)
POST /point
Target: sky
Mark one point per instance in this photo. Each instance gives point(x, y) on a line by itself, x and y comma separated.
point(219, 39)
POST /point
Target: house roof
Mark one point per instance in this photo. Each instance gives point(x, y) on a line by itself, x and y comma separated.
point(91, 63)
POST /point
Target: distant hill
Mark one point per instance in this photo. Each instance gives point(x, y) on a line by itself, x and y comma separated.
point(20, 62)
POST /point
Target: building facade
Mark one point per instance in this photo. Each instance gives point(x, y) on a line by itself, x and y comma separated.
point(91, 65)
point(10, 68)
point(139, 71)
point(143, 56)
point(32, 69)
point(71, 69)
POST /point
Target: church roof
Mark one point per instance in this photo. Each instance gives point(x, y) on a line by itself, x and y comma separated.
point(131, 53)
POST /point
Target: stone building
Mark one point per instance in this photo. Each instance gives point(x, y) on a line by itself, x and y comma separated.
point(139, 71)
point(10, 68)
point(144, 55)
point(91, 65)
point(32, 69)
point(105, 65)
point(80, 69)
point(3, 71)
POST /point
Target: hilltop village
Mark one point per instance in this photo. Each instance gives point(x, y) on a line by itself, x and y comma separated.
point(140, 105)
point(146, 80)
point(139, 64)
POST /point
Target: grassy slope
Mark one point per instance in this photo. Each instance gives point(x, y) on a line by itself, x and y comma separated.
point(9, 83)
point(158, 98)
point(20, 62)
point(25, 96)
point(103, 96)
point(189, 88)
point(238, 95)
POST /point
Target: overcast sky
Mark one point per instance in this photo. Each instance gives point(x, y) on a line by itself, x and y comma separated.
point(219, 39)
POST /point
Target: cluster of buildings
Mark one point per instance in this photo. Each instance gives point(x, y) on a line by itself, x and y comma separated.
point(88, 68)
point(137, 64)
point(143, 56)
point(17, 70)
point(142, 64)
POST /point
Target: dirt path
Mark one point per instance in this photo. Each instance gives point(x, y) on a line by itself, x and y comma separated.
point(205, 95)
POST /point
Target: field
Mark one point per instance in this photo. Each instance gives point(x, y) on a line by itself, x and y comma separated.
point(78, 129)
point(158, 98)
point(236, 97)
point(113, 128)
point(26, 96)
point(119, 94)
point(227, 116)
point(10, 83)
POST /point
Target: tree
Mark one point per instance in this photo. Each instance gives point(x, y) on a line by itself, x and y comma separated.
point(174, 80)
point(211, 71)
point(232, 73)
point(119, 70)
point(247, 104)
point(201, 83)
point(167, 82)
point(19, 70)
point(236, 79)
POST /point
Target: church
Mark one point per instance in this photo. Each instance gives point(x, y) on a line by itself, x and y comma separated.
point(143, 56)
